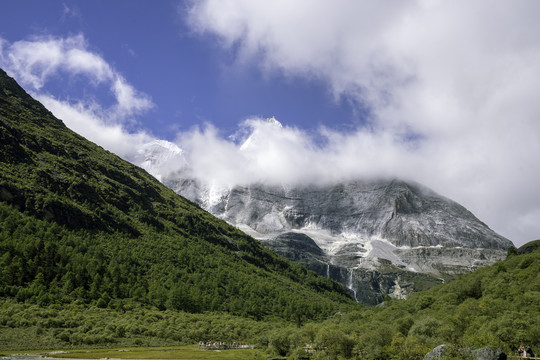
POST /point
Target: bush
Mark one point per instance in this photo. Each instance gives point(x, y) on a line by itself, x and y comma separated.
point(283, 341)
point(426, 328)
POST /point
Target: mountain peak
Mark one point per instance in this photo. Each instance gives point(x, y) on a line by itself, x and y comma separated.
point(259, 133)
point(273, 121)
point(160, 158)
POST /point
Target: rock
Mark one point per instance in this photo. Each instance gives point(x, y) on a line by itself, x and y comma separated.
point(488, 353)
point(437, 353)
point(295, 246)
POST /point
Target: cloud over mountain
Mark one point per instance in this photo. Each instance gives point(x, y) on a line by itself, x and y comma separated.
point(36, 61)
point(450, 86)
point(447, 92)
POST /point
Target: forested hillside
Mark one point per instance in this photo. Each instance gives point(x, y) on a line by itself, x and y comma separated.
point(496, 306)
point(94, 252)
point(77, 223)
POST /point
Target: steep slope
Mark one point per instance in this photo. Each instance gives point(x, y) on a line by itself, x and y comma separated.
point(404, 214)
point(77, 222)
point(529, 247)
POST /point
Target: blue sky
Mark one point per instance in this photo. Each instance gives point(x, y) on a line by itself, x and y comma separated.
point(443, 93)
point(190, 78)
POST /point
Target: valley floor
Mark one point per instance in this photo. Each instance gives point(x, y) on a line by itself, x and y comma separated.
point(177, 352)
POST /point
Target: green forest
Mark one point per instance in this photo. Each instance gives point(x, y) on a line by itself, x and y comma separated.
point(497, 306)
point(94, 252)
point(80, 224)
point(44, 263)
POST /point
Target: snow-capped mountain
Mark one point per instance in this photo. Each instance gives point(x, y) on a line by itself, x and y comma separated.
point(161, 158)
point(378, 237)
point(257, 134)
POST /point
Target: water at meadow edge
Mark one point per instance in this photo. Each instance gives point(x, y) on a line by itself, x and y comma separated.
point(26, 357)
point(21, 357)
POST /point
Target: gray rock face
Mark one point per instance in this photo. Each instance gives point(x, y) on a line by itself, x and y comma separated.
point(379, 238)
point(488, 353)
point(296, 246)
point(448, 260)
point(402, 213)
point(437, 353)
point(366, 286)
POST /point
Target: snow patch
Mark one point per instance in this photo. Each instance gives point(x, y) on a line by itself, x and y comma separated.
point(383, 249)
point(269, 223)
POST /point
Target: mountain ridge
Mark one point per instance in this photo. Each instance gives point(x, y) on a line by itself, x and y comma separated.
point(114, 232)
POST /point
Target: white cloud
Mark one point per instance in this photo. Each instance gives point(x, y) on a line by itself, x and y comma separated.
point(460, 76)
point(36, 61)
point(130, 101)
point(86, 121)
point(274, 154)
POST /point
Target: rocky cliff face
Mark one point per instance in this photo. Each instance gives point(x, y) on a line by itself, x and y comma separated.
point(379, 238)
point(403, 214)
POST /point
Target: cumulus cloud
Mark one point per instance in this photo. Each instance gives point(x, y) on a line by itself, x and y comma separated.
point(86, 121)
point(37, 61)
point(271, 153)
point(451, 88)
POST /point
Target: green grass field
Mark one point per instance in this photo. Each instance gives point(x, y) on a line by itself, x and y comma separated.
point(177, 352)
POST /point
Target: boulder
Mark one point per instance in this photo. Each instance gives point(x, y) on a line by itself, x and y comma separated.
point(488, 353)
point(437, 353)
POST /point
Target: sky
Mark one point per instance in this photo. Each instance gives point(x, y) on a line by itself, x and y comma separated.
point(444, 93)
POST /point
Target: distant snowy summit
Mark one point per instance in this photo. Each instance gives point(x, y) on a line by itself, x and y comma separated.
point(378, 237)
point(161, 158)
point(256, 135)
point(273, 121)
